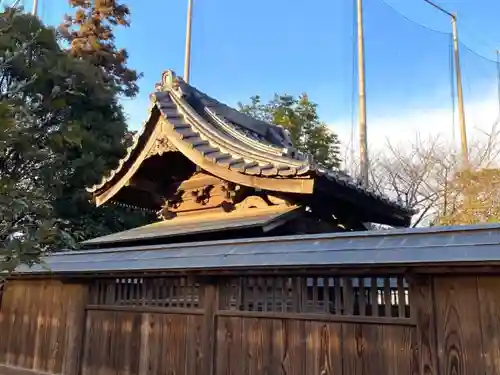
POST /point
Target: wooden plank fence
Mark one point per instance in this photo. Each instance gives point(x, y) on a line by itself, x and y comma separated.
point(324, 325)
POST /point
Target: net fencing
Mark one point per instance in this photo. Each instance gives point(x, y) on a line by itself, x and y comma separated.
point(411, 87)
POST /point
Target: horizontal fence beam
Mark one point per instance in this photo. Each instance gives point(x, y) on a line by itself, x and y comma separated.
point(318, 317)
point(146, 309)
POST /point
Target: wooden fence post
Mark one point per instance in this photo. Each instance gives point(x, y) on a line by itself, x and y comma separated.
point(422, 310)
point(210, 330)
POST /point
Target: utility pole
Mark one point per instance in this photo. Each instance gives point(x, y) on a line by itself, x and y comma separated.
point(460, 95)
point(498, 79)
point(363, 142)
point(187, 55)
point(34, 11)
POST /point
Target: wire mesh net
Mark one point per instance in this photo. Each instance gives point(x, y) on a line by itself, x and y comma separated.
point(411, 87)
point(408, 75)
point(481, 90)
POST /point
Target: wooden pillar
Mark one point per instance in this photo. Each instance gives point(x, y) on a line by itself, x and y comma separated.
point(424, 344)
point(211, 303)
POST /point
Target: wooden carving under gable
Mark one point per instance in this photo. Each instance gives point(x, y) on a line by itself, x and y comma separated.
point(204, 193)
point(162, 145)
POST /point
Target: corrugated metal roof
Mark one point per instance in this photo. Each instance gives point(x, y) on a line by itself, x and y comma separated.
point(194, 224)
point(397, 247)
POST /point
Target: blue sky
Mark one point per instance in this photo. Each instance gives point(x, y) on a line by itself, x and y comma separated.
point(247, 47)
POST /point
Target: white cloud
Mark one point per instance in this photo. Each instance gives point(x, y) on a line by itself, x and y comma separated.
point(402, 128)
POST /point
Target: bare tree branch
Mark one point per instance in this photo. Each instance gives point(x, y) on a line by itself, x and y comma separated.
point(422, 174)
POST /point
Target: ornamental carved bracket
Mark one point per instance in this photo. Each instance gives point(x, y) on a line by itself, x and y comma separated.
point(189, 200)
point(162, 145)
point(261, 201)
point(167, 210)
point(242, 198)
point(202, 196)
point(225, 196)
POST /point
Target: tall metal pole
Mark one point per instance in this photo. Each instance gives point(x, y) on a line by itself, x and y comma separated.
point(498, 80)
point(187, 55)
point(34, 11)
point(460, 97)
point(363, 142)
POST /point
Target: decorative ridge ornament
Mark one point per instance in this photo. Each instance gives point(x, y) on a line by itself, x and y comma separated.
point(169, 79)
point(171, 82)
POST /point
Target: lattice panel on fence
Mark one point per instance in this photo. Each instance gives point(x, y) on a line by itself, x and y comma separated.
point(362, 296)
point(182, 292)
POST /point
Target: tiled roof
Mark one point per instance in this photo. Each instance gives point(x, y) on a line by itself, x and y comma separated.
point(209, 127)
point(232, 140)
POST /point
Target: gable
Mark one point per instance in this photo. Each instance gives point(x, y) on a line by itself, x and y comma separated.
point(185, 124)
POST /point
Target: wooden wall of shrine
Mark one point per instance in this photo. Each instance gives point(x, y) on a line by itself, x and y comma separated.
point(321, 323)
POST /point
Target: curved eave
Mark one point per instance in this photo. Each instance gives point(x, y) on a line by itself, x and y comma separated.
point(139, 139)
point(167, 119)
point(209, 162)
point(329, 180)
point(130, 163)
point(211, 140)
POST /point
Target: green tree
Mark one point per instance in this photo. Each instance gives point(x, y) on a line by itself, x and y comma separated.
point(89, 33)
point(61, 129)
point(300, 117)
point(27, 223)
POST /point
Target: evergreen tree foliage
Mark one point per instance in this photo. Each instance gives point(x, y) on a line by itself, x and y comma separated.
point(90, 35)
point(61, 129)
point(300, 117)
